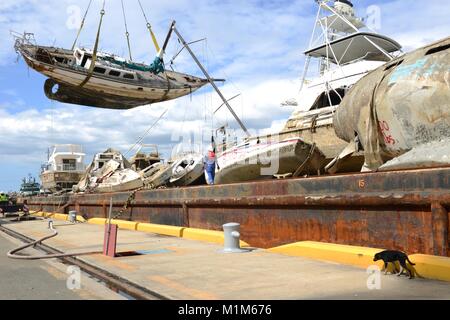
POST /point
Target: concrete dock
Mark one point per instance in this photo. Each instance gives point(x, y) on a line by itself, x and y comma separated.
point(178, 268)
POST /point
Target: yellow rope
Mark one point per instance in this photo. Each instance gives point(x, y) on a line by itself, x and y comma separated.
point(149, 27)
point(94, 54)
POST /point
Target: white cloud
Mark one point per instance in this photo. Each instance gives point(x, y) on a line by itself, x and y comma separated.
point(256, 45)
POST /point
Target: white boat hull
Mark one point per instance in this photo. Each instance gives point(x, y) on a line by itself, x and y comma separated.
point(264, 160)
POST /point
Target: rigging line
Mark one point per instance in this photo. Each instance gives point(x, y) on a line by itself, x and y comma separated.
point(82, 25)
point(127, 34)
point(94, 53)
point(149, 27)
point(146, 133)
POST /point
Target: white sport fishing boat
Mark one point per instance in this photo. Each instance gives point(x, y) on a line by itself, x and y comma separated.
point(345, 53)
point(344, 50)
point(64, 168)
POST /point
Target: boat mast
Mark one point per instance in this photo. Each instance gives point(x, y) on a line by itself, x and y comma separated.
point(211, 81)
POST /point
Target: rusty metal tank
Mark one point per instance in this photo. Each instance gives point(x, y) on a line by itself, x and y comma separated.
point(400, 106)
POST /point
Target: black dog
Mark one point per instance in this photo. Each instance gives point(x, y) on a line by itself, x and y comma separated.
point(392, 257)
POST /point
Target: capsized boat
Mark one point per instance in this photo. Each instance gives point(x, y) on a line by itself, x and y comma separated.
point(264, 158)
point(187, 169)
point(109, 172)
point(157, 175)
point(120, 181)
point(115, 83)
point(400, 112)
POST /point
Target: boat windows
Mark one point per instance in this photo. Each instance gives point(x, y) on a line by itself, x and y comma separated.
point(128, 76)
point(438, 49)
point(99, 70)
point(59, 59)
point(85, 58)
point(69, 164)
point(114, 73)
point(323, 101)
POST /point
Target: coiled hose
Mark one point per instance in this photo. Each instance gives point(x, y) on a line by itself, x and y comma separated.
point(12, 254)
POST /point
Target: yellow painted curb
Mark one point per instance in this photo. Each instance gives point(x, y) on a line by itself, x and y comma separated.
point(160, 229)
point(358, 256)
point(60, 216)
point(38, 214)
point(207, 236)
point(127, 225)
point(431, 267)
point(56, 216)
point(99, 221)
point(81, 219)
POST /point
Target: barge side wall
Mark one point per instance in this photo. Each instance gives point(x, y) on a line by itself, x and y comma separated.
point(403, 210)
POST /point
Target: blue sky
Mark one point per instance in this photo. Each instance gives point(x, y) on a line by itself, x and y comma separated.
point(256, 45)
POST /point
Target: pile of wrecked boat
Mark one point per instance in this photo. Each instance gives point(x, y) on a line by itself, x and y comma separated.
point(110, 171)
point(369, 108)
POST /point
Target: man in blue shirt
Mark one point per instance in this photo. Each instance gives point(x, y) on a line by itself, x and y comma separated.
point(210, 166)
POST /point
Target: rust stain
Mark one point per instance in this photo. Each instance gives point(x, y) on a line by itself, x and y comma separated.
point(194, 293)
point(391, 210)
point(116, 263)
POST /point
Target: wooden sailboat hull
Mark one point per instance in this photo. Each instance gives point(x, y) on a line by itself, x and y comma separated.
point(104, 90)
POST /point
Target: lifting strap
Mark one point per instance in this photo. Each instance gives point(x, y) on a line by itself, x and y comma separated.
point(81, 26)
point(94, 54)
point(149, 27)
point(127, 34)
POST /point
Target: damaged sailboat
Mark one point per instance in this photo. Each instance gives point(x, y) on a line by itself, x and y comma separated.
point(109, 172)
point(88, 77)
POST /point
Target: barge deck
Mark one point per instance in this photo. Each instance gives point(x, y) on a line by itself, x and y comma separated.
point(404, 210)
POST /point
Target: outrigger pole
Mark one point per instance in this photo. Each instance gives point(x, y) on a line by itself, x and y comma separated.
point(211, 81)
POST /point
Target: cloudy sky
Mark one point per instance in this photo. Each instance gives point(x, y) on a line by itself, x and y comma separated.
point(256, 45)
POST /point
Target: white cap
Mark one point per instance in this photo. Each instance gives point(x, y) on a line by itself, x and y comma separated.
point(210, 149)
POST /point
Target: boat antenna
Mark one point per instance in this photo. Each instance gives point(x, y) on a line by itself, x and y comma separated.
point(146, 133)
point(149, 27)
point(82, 25)
point(208, 77)
point(127, 34)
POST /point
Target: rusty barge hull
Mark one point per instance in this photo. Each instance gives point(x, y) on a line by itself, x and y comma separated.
point(404, 210)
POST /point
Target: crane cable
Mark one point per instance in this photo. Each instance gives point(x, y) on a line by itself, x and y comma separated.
point(127, 34)
point(149, 27)
point(82, 25)
point(94, 54)
point(146, 133)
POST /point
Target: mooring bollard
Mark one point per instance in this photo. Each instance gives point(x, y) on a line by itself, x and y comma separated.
point(72, 216)
point(232, 238)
